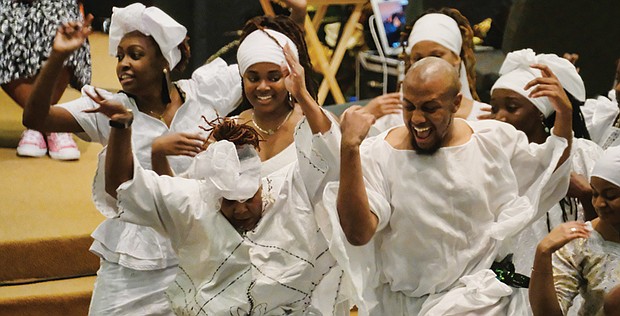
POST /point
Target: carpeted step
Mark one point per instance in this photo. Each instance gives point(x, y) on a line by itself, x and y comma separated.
point(51, 298)
point(47, 216)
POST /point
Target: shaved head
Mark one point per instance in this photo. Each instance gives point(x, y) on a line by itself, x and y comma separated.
point(434, 68)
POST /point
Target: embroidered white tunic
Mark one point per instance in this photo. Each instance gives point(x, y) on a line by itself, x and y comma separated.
point(442, 219)
point(278, 268)
point(589, 267)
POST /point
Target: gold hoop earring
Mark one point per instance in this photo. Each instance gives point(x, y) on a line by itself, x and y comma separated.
point(165, 88)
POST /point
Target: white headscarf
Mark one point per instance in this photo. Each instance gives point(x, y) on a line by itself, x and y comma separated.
point(151, 21)
point(516, 72)
point(233, 173)
point(258, 47)
point(443, 30)
point(608, 166)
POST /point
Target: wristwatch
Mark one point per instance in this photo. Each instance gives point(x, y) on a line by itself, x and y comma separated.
point(124, 121)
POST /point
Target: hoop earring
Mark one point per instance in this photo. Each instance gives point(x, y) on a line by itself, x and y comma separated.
point(165, 90)
point(291, 101)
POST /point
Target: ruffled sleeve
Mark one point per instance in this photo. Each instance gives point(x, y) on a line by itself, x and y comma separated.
point(95, 125)
point(218, 85)
point(534, 166)
point(170, 205)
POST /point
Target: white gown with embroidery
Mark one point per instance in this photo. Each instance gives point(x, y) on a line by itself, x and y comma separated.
point(279, 268)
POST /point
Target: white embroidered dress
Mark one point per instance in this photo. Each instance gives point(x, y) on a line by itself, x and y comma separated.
point(442, 219)
point(278, 268)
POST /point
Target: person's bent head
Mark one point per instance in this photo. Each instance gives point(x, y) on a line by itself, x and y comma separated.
point(605, 182)
point(448, 35)
point(430, 99)
point(512, 104)
point(230, 168)
point(148, 44)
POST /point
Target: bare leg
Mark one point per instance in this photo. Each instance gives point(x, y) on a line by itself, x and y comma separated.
point(19, 90)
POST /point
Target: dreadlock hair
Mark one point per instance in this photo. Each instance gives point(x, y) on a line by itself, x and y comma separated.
point(228, 129)
point(467, 48)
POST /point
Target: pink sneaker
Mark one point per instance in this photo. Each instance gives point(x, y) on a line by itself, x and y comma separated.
point(62, 147)
point(32, 144)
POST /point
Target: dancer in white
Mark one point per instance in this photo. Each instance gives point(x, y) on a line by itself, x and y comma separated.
point(433, 200)
point(137, 262)
point(244, 248)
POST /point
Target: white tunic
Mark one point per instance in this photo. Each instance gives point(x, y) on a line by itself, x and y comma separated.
point(442, 218)
point(213, 88)
point(276, 269)
point(600, 114)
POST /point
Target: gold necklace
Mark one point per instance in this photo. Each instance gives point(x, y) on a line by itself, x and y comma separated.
point(270, 131)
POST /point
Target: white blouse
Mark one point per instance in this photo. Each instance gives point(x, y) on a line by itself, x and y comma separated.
point(213, 89)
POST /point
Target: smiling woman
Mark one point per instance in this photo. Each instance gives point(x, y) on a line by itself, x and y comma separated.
point(148, 44)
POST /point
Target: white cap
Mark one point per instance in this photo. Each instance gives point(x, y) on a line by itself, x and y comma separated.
point(258, 47)
point(516, 72)
point(151, 21)
point(443, 30)
point(234, 173)
point(608, 166)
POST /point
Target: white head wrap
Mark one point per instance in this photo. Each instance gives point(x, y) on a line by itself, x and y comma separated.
point(233, 172)
point(608, 166)
point(443, 30)
point(258, 47)
point(150, 21)
point(516, 72)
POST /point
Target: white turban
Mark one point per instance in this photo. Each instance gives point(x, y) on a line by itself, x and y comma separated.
point(151, 21)
point(608, 166)
point(516, 72)
point(443, 30)
point(258, 47)
point(234, 173)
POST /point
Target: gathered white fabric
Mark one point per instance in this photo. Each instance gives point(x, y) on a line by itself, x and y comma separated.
point(443, 30)
point(150, 21)
point(258, 47)
point(516, 72)
point(608, 166)
point(234, 172)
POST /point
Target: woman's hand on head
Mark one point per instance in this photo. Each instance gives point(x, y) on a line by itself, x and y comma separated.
point(71, 35)
point(561, 235)
point(178, 144)
point(549, 86)
point(384, 104)
point(294, 75)
point(106, 107)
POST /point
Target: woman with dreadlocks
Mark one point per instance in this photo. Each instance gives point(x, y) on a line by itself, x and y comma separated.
point(242, 221)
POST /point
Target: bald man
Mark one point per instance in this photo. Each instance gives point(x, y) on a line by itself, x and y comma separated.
point(426, 207)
